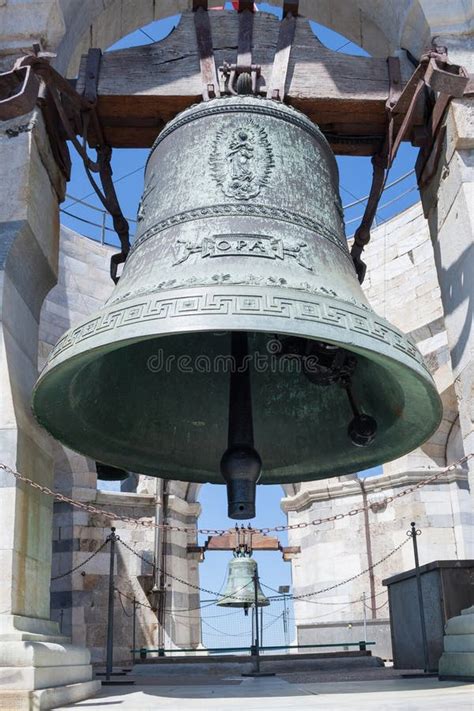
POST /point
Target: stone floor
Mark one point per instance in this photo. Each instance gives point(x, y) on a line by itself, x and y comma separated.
point(277, 694)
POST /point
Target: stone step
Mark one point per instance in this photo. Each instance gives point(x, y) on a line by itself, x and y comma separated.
point(238, 665)
point(463, 624)
point(50, 698)
point(459, 643)
point(456, 664)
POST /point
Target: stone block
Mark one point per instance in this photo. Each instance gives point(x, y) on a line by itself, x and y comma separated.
point(433, 343)
point(26, 22)
point(459, 171)
point(456, 664)
point(26, 677)
point(460, 126)
point(459, 643)
point(461, 625)
point(422, 255)
point(456, 264)
point(42, 654)
point(51, 698)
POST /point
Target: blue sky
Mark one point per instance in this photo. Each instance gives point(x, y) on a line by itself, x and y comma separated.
point(355, 175)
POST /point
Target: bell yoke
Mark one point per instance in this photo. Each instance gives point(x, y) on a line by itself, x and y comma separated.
point(273, 367)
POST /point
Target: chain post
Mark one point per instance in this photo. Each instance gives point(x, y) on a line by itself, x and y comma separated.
point(365, 616)
point(257, 634)
point(285, 621)
point(112, 538)
point(255, 649)
point(134, 629)
point(413, 533)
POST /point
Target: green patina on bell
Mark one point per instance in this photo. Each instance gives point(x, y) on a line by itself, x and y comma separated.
point(240, 259)
point(240, 586)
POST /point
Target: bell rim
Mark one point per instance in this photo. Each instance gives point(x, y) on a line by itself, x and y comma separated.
point(128, 313)
point(399, 358)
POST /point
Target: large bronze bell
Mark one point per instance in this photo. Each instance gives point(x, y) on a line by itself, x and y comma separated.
point(240, 586)
point(240, 264)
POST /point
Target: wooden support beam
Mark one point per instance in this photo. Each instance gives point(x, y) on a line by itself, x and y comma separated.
point(231, 539)
point(141, 88)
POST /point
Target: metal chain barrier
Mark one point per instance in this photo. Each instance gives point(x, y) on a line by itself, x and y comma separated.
point(90, 508)
point(80, 565)
point(376, 608)
point(280, 597)
point(127, 614)
point(348, 580)
point(131, 599)
point(169, 575)
point(319, 602)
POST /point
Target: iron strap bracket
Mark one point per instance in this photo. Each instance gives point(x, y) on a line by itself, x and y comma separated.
point(286, 34)
point(202, 25)
point(94, 58)
point(242, 76)
point(21, 89)
point(68, 115)
point(448, 81)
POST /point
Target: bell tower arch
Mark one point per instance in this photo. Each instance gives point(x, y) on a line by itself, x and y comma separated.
point(29, 229)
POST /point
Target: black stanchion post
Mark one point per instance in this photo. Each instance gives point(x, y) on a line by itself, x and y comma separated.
point(134, 629)
point(257, 635)
point(255, 650)
point(109, 654)
point(413, 533)
point(110, 621)
point(252, 644)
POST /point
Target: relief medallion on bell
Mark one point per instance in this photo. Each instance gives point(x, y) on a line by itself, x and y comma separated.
point(241, 161)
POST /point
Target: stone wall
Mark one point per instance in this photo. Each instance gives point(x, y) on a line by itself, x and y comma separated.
point(333, 552)
point(402, 286)
point(29, 229)
point(79, 599)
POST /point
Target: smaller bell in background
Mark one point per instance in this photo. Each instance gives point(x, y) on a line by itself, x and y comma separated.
point(240, 587)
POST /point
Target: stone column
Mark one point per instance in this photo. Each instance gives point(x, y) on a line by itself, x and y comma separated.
point(182, 602)
point(448, 204)
point(181, 620)
point(457, 660)
point(34, 658)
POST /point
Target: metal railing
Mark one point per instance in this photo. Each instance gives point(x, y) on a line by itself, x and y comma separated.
point(103, 228)
point(143, 652)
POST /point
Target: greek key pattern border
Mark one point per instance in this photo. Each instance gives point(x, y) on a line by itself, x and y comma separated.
point(213, 304)
point(233, 210)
